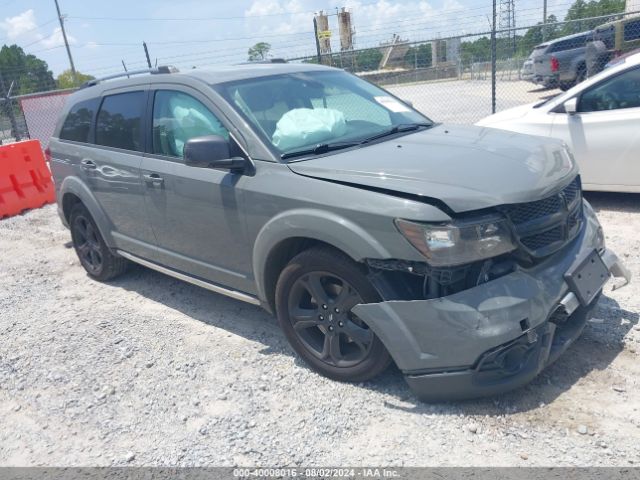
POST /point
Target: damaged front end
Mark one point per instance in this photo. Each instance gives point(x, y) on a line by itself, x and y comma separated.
point(491, 325)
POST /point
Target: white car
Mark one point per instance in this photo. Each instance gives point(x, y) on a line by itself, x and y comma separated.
point(600, 121)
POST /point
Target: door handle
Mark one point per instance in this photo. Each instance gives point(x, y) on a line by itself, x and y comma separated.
point(88, 165)
point(153, 178)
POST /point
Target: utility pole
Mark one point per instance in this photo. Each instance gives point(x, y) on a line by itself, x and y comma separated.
point(544, 20)
point(493, 60)
point(315, 31)
point(146, 52)
point(66, 43)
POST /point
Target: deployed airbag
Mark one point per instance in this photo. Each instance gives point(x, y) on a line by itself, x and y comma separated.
point(306, 126)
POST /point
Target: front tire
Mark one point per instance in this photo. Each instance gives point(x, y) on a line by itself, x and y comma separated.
point(314, 297)
point(92, 251)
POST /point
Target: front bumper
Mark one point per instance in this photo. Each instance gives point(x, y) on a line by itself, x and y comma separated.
point(493, 337)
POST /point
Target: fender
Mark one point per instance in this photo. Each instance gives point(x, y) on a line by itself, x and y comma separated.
point(74, 185)
point(316, 224)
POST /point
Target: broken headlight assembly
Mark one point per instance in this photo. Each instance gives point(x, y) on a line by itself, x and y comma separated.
point(458, 243)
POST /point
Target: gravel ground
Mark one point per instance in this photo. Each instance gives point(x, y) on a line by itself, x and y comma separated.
point(148, 370)
point(467, 101)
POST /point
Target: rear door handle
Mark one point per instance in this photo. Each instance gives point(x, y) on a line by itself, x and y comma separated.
point(153, 178)
point(88, 165)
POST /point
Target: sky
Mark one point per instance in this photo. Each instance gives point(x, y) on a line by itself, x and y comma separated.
point(200, 33)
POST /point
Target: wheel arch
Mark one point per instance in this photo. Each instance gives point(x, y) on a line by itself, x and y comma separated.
point(292, 232)
point(73, 191)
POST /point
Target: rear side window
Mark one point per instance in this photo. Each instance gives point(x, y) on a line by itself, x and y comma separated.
point(119, 119)
point(569, 44)
point(632, 30)
point(78, 122)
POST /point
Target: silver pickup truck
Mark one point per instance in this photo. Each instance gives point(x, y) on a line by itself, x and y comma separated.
point(560, 62)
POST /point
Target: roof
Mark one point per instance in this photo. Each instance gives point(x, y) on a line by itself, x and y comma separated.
point(567, 37)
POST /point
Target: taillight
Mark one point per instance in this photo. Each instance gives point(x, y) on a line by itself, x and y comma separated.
point(555, 64)
point(47, 154)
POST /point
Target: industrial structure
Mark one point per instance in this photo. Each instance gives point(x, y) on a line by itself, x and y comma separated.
point(507, 23)
point(346, 30)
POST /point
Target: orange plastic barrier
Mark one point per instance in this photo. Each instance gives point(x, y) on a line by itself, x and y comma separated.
point(25, 179)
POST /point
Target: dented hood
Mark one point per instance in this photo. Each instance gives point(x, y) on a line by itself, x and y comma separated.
point(467, 168)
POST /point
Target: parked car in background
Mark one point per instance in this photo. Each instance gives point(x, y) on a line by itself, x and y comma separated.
point(466, 255)
point(612, 40)
point(526, 72)
point(561, 62)
point(599, 120)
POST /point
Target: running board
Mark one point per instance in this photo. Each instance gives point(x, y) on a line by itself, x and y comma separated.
point(195, 281)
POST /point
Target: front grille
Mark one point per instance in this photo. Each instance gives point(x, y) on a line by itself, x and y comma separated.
point(523, 212)
point(544, 226)
point(541, 240)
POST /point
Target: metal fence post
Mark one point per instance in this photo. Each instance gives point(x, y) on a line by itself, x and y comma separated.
point(9, 106)
point(493, 60)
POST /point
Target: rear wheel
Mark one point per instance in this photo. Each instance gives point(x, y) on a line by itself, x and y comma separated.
point(314, 297)
point(93, 253)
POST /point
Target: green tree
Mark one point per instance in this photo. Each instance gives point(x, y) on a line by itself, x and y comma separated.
point(538, 34)
point(259, 51)
point(369, 59)
point(29, 73)
point(582, 9)
point(419, 56)
point(65, 79)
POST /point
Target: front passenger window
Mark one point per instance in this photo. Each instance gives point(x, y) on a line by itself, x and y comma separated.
point(621, 91)
point(177, 118)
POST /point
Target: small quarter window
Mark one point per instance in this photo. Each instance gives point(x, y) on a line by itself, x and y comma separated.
point(78, 122)
point(118, 123)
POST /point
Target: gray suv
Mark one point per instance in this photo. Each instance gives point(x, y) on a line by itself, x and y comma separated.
point(465, 255)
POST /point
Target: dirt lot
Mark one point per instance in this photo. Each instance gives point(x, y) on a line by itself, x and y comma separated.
point(467, 101)
point(148, 370)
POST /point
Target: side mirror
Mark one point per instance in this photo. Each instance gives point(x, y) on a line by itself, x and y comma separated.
point(408, 102)
point(211, 151)
point(571, 106)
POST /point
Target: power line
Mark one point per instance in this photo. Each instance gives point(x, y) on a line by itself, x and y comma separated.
point(30, 29)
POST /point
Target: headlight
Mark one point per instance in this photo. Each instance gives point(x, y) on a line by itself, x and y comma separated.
point(458, 243)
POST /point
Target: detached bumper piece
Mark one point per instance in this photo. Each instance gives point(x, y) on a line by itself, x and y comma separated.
point(508, 366)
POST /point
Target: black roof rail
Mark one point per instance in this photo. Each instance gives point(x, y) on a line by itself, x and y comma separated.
point(152, 71)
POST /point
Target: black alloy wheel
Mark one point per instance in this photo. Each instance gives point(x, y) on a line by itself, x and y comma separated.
point(315, 296)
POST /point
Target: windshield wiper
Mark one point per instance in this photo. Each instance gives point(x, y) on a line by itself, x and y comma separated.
point(403, 127)
point(329, 147)
point(319, 149)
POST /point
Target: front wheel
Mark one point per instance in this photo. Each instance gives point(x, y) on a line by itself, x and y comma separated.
point(314, 297)
point(93, 253)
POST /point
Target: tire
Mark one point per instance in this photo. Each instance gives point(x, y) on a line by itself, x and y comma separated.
point(331, 340)
point(94, 255)
point(581, 76)
point(564, 86)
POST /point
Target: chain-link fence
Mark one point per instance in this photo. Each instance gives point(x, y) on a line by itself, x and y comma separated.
point(461, 79)
point(456, 79)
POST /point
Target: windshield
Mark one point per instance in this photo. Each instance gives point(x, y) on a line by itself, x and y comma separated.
point(298, 111)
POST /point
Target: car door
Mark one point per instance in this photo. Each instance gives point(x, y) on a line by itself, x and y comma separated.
point(604, 132)
point(194, 212)
point(111, 168)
